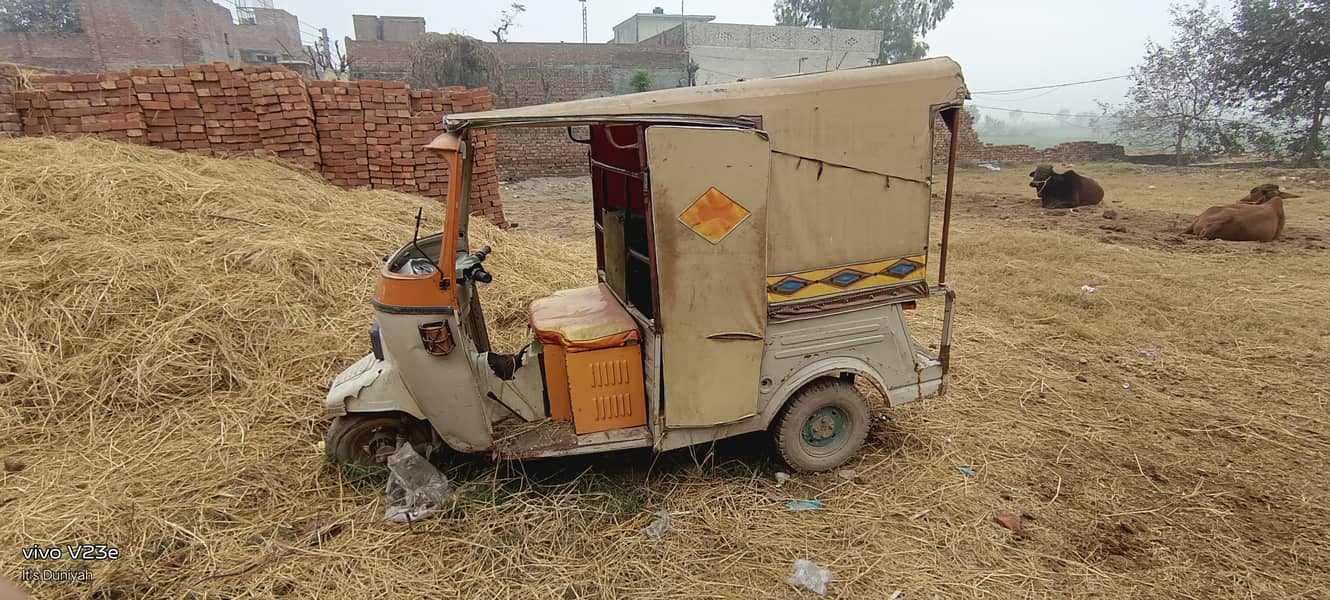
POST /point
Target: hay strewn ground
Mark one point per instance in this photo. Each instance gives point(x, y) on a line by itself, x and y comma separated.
point(168, 322)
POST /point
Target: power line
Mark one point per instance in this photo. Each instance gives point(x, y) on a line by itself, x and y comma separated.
point(1056, 85)
point(1081, 116)
point(1035, 112)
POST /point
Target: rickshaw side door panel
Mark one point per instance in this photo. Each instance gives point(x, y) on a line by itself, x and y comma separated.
point(709, 208)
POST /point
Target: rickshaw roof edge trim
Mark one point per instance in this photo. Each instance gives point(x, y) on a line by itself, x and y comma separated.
point(709, 102)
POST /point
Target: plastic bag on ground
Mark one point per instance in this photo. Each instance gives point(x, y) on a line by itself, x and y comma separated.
point(415, 488)
point(660, 526)
point(811, 576)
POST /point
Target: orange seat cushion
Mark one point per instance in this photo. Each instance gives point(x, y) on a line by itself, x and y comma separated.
point(583, 319)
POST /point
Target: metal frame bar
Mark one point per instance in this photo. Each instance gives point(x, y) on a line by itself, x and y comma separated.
point(953, 121)
point(451, 123)
point(609, 137)
point(948, 316)
point(647, 211)
point(614, 169)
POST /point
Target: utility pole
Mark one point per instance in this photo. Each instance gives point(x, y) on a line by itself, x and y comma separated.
point(584, 36)
point(327, 48)
point(683, 31)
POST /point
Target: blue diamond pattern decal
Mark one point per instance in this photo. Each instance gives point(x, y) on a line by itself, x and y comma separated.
point(789, 285)
point(902, 268)
point(845, 278)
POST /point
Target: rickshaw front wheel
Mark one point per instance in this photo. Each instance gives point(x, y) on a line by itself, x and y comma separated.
point(368, 439)
point(822, 426)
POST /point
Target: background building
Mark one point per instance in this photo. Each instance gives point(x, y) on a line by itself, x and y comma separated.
point(111, 35)
point(642, 26)
point(725, 52)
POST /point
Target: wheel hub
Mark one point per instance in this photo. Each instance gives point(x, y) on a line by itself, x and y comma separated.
point(825, 426)
point(382, 445)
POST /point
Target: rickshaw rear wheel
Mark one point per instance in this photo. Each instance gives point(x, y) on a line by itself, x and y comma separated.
point(368, 439)
point(822, 426)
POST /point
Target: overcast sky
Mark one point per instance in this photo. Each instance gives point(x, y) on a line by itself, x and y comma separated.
point(1001, 44)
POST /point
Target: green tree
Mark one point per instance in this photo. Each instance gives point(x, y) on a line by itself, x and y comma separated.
point(1179, 97)
point(641, 80)
point(40, 16)
point(903, 23)
point(1281, 60)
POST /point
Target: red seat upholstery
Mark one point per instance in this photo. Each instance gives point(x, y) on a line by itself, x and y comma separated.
point(583, 319)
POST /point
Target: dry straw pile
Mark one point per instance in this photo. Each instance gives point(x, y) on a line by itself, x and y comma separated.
point(168, 324)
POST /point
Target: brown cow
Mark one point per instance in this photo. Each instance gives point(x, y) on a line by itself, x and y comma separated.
point(1064, 190)
point(1259, 217)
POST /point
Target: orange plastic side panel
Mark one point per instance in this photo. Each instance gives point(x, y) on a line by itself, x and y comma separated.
point(607, 390)
point(556, 383)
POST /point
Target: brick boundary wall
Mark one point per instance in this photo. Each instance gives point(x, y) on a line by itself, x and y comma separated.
point(10, 122)
point(969, 148)
point(357, 134)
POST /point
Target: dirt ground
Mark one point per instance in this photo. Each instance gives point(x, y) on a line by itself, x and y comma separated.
point(1163, 437)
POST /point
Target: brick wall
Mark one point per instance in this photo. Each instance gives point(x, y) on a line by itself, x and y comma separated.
point(531, 73)
point(123, 34)
point(274, 32)
point(388, 61)
point(358, 134)
point(401, 29)
point(70, 51)
point(540, 73)
point(969, 148)
point(10, 123)
point(369, 28)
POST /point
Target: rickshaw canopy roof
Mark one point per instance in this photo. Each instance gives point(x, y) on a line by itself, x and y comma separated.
point(851, 151)
point(842, 116)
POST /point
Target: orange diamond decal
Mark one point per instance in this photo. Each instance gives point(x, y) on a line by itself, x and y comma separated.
point(713, 215)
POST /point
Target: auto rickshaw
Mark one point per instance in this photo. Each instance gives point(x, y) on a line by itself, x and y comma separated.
point(756, 244)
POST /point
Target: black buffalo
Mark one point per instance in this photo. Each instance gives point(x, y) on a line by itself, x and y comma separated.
point(1064, 190)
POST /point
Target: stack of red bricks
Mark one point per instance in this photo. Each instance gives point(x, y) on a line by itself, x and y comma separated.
point(230, 125)
point(358, 134)
point(484, 172)
point(10, 124)
point(340, 123)
point(388, 133)
point(428, 107)
point(98, 103)
point(285, 117)
point(170, 108)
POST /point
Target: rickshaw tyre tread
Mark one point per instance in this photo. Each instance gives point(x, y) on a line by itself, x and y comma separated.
point(821, 392)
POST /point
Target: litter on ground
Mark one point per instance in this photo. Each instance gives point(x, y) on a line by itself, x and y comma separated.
point(811, 576)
